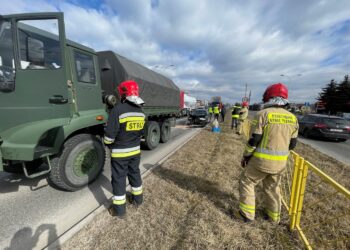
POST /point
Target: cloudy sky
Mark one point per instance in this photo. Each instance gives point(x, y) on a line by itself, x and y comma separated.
point(212, 48)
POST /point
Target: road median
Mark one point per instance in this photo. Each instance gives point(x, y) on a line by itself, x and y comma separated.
point(189, 203)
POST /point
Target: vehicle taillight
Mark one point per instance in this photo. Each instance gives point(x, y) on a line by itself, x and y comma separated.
point(320, 125)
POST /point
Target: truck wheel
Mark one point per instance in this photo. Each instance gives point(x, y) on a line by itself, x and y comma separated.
point(153, 135)
point(165, 131)
point(79, 163)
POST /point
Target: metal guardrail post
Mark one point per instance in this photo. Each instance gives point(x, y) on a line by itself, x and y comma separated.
point(297, 181)
point(302, 190)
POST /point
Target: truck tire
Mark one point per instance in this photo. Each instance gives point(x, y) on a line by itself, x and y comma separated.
point(153, 135)
point(165, 131)
point(79, 163)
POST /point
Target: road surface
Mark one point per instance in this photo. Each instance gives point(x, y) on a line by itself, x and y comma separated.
point(337, 150)
point(34, 214)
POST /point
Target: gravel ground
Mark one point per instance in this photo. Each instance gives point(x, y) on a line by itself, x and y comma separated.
point(190, 201)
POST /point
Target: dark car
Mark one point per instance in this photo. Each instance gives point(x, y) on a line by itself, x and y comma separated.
point(198, 117)
point(325, 126)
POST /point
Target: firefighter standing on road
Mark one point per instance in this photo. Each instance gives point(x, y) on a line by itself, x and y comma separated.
point(223, 113)
point(216, 111)
point(210, 110)
point(235, 116)
point(243, 114)
point(274, 133)
point(122, 134)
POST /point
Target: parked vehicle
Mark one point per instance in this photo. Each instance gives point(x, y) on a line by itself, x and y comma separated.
point(216, 100)
point(189, 102)
point(55, 96)
point(324, 126)
point(198, 117)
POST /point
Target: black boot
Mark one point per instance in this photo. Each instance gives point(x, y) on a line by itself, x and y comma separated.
point(136, 200)
point(118, 210)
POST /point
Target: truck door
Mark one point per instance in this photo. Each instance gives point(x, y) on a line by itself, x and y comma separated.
point(86, 79)
point(38, 89)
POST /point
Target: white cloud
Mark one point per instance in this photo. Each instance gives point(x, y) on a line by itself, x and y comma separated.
point(217, 46)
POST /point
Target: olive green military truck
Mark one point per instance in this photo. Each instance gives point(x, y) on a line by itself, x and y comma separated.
point(55, 96)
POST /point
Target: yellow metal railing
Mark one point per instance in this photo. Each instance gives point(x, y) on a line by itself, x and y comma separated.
point(317, 205)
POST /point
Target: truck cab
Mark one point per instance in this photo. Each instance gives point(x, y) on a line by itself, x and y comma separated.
point(55, 95)
point(50, 93)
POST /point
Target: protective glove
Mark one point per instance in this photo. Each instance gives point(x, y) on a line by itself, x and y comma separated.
point(245, 161)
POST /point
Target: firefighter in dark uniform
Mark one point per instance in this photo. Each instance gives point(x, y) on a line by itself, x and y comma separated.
point(274, 133)
point(123, 134)
point(235, 115)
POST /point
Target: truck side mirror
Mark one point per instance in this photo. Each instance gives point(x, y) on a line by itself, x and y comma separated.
point(35, 51)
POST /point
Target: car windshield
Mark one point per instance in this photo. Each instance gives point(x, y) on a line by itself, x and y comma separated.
point(7, 67)
point(200, 112)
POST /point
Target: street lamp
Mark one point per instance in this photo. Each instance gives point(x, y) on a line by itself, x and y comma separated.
point(290, 77)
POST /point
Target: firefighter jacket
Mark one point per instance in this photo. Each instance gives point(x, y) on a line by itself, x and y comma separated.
point(275, 127)
point(243, 113)
point(124, 129)
point(216, 110)
point(235, 112)
point(210, 110)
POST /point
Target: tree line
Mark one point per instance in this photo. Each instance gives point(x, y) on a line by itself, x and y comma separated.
point(336, 96)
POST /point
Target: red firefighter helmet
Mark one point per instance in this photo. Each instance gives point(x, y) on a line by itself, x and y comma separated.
point(244, 104)
point(130, 90)
point(275, 90)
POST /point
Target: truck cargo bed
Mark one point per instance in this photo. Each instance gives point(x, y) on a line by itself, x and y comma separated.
point(155, 89)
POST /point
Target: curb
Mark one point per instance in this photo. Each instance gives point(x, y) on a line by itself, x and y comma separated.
point(87, 219)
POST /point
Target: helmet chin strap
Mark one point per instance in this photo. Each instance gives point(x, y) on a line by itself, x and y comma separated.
point(123, 98)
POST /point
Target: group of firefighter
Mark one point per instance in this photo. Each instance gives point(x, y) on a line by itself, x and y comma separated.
point(273, 134)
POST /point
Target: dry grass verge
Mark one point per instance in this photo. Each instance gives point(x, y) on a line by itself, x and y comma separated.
point(326, 214)
point(189, 202)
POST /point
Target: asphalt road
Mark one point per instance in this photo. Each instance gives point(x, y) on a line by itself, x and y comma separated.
point(337, 150)
point(33, 214)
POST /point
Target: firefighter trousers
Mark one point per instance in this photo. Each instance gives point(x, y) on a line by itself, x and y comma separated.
point(123, 168)
point(216, 116)
point(234, 123)
point(250, 177)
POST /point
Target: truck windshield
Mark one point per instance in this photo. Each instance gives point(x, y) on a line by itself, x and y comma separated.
point(7, 62)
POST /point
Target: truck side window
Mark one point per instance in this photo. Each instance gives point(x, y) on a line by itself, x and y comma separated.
point(84, 65)
point(39, 49)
